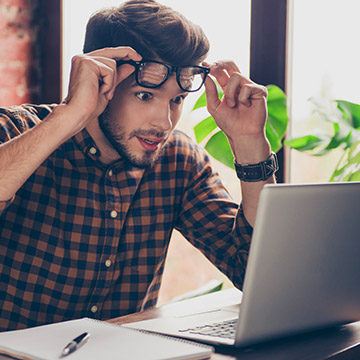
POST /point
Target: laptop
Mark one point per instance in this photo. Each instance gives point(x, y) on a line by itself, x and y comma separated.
point(303, 271)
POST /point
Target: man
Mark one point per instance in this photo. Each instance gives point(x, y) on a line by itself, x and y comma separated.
point(91, 189)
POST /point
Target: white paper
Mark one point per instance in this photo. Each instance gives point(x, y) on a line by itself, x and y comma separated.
point(106, 341)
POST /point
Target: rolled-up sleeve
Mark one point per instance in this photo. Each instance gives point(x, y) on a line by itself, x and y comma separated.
point(14, 121)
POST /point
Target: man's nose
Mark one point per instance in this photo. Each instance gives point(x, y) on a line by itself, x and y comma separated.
point(161, 119)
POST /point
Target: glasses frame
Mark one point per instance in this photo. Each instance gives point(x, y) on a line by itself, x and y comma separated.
point(170, 70)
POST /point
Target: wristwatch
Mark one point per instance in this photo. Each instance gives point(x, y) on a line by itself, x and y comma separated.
point(257, 172)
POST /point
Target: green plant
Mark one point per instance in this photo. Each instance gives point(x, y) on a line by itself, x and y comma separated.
point(217, 144)
point(341, 131)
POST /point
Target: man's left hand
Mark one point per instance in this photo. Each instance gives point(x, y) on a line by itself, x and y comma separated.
point(242, 112)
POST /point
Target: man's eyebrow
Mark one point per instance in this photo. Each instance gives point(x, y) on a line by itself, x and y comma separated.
point(134, 84)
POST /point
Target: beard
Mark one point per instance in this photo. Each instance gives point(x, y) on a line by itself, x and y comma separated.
point(116, 136)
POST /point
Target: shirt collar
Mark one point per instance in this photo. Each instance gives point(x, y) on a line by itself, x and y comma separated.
point(87, 146)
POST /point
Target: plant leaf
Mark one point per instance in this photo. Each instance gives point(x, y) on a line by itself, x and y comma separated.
point(277, 117)
point(328, 110)
point(341, 138)
point(353, 149)
point(355, 176)
point(201, 102)
point(351, 110)
point(219, 148)
point(351, 166)
point(307, 142)
point(204, 128)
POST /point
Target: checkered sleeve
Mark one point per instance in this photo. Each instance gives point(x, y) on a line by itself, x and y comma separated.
point(213, 222)
point(14, 121)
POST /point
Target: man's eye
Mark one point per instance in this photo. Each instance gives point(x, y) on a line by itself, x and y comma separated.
point(144, 95)
point(178, 100)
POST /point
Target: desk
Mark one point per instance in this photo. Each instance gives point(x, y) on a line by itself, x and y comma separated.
point(342, 343)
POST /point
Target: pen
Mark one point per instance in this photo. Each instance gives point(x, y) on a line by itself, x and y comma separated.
point(75, 344)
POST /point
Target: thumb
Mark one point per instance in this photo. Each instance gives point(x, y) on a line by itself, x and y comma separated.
point(123, 72)
point(212, 95)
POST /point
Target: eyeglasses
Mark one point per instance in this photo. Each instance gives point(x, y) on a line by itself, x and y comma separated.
point(152, 74)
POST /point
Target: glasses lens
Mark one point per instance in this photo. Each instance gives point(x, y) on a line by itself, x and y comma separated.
point(151, 74)
point(191, 78)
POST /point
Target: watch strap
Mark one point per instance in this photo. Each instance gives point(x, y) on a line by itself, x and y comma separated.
point(257, 172)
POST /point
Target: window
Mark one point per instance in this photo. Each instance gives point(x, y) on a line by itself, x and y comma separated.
point(228, 28)
point(324, 63)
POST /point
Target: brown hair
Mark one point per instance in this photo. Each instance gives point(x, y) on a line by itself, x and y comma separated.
point(152, 29)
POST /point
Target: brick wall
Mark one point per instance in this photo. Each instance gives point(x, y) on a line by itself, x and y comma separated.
point(19, 52)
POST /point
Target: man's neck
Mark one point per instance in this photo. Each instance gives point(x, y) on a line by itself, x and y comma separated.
point(107, 153)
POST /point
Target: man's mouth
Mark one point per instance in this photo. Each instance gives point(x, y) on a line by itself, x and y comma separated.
point(149, 144)
point(149, 141)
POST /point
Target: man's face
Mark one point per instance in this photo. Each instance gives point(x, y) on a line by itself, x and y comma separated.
point(139, 120)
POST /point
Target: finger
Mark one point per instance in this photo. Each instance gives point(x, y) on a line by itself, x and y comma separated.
point(251, 92)
point(118, 53)
point(120, 72)
point(106, 75)
point(228, 65)
point(220, 75)
point(123, 72)
point(212, 95)
point(99, 71)
point(235, 86)
point(222, 70)
point(103, 68)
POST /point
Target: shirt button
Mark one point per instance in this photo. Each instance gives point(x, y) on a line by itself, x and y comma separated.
point(108, 263)
point(94, 309)
point(113, 214)
point(110, 173)
point(92, 150)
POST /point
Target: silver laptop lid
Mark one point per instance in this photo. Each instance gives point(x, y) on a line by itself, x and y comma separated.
point(303, 271)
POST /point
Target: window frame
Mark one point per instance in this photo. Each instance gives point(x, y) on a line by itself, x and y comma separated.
point(50, 40)
point(268, 52)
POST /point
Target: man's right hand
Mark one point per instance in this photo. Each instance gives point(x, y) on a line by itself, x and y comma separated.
point(93, 80)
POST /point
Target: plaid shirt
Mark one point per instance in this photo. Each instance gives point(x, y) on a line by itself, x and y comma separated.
point(81, 238)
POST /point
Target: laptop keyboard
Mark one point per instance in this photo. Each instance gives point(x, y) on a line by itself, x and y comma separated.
point(224, 329)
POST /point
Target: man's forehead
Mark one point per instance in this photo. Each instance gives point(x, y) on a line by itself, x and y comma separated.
point(151, 79)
